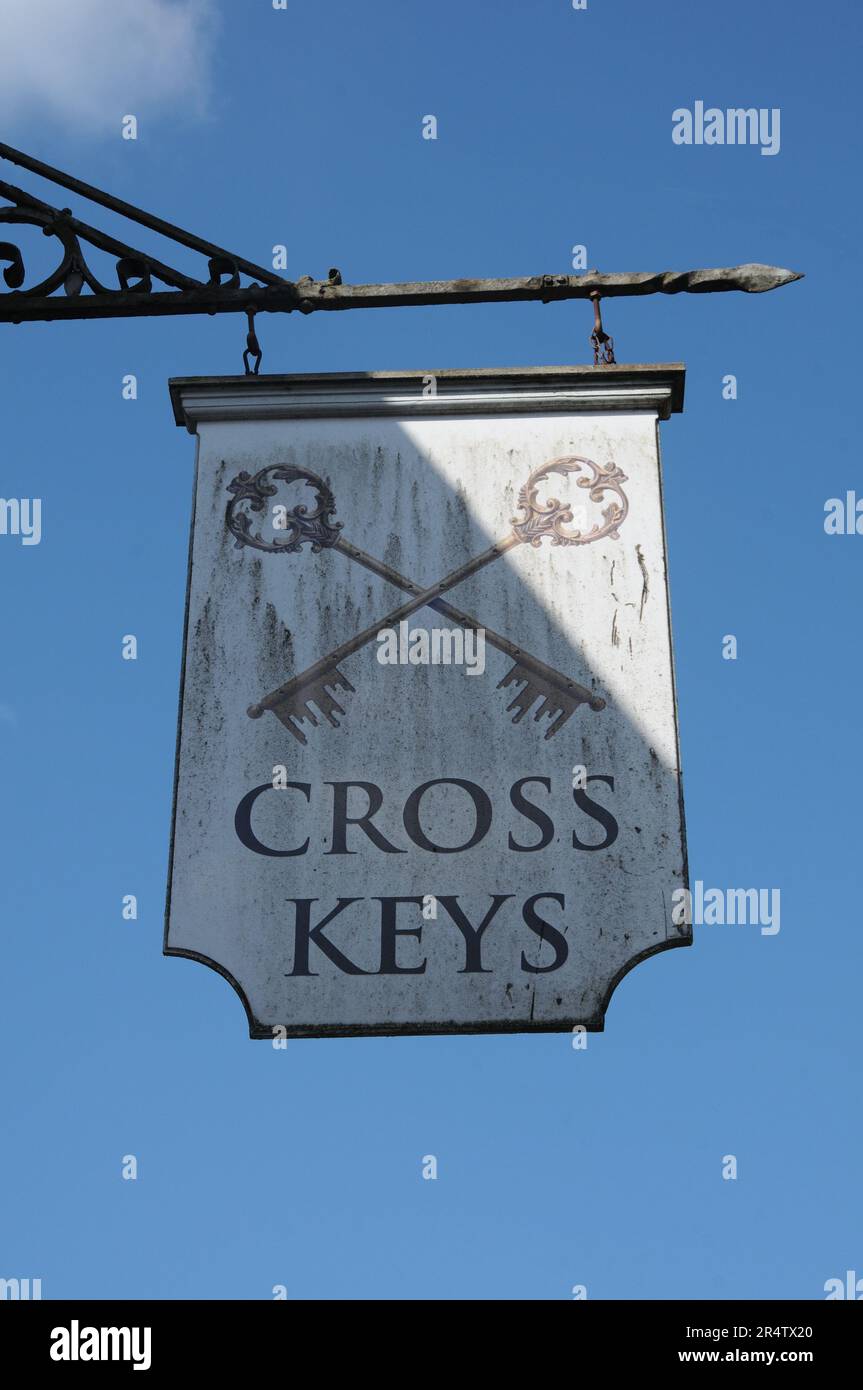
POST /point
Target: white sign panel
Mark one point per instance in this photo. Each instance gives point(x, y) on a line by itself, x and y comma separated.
point(428, 775)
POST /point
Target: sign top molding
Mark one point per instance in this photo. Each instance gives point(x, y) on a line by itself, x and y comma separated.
point(655, 387)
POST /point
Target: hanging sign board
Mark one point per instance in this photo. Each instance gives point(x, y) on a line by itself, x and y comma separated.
point(427, 775)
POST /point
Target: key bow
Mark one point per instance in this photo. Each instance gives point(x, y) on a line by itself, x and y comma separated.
point(301, 526)
point(552, 517)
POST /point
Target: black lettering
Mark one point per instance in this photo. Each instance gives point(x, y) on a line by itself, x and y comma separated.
point(546, 932)
point(597, 813)
point(243, 821)
point(341, 819)
point(473, 935)
point(390, 933)
point(482, 805)
point(532, 813)
point(305, 934)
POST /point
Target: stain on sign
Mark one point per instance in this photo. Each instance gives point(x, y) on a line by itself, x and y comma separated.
point(427, 773)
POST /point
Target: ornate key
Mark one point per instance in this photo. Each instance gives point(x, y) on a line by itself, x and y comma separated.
point(560, 696)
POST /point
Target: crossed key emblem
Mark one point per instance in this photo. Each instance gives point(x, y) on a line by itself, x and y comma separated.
point(292, 702)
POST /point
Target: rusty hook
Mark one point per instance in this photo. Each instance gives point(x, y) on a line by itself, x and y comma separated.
point(603, 345)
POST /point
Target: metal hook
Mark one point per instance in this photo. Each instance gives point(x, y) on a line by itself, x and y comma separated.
point(253, 347)
point(603, 345)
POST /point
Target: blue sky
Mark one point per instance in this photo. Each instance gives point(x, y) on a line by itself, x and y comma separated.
point(556, 1167)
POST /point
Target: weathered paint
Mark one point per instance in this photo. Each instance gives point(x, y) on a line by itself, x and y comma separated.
point(423, 483)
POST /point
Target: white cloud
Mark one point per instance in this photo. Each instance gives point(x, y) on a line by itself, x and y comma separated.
point(91, 62)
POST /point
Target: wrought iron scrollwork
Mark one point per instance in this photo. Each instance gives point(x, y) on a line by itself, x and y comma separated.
point(136, 270)
point(72, 272)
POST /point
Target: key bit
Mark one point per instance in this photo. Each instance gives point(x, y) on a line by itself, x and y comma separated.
point(559, 705)
point(560, 698)
point(523, 698)
point(296, 704)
